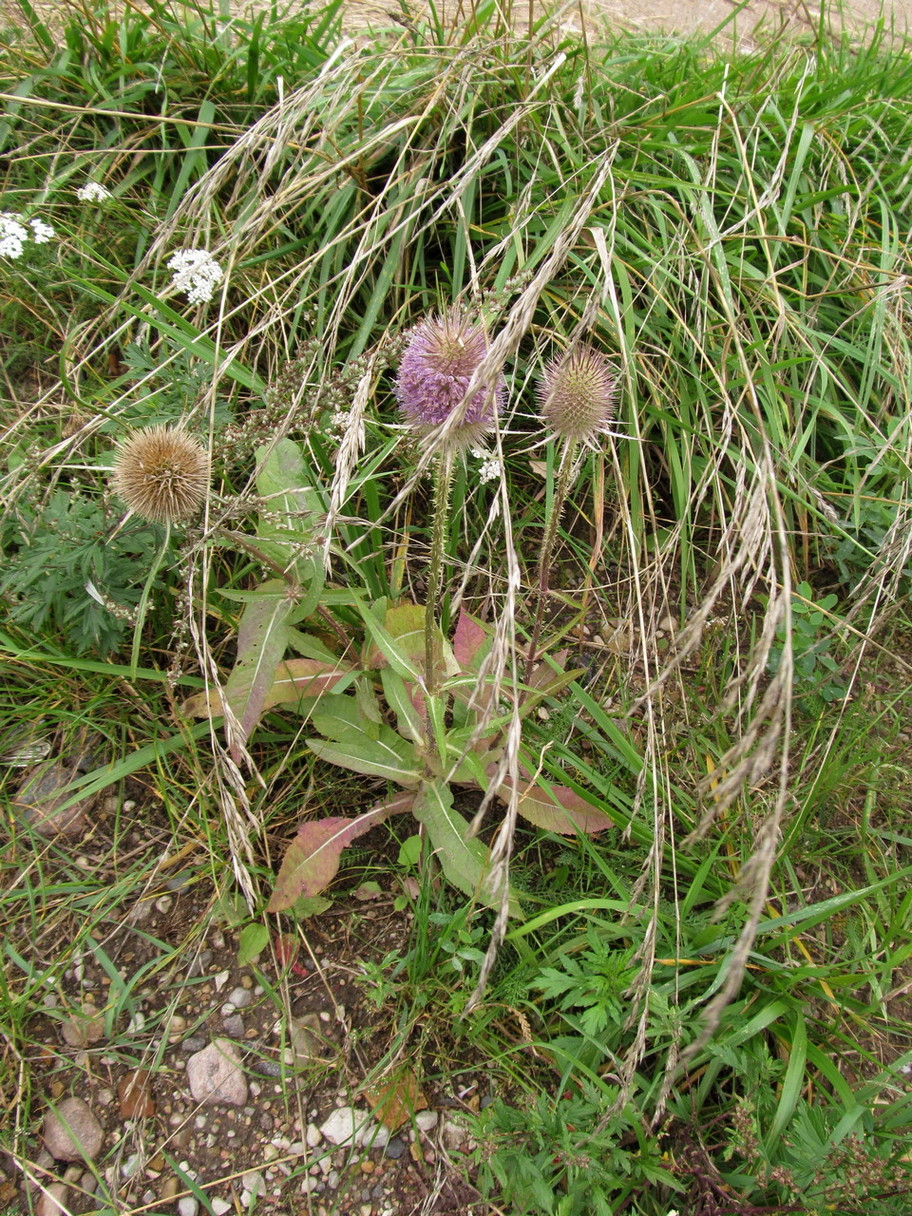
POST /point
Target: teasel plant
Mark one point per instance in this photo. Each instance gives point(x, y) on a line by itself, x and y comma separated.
point(577, 395)
point(441, 356)
point(161, 474)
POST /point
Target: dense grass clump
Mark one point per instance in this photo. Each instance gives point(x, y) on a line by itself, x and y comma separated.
point(687, 616)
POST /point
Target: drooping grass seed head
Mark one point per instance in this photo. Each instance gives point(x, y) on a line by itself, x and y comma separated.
point(162, 474)
point(577, 394)
point(441, 356)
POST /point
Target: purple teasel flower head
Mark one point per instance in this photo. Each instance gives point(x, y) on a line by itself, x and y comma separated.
point(441, 356)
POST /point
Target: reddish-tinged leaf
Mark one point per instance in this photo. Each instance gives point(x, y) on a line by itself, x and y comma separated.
point(294, 679)
point(557, 809)
point(297, 678)
point(469, 639)
point(262, 642)
point(287, 949)
point(405, 625)
point(312, 859)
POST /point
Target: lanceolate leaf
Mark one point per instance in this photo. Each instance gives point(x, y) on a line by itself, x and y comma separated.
point(295, 681)
point(557, 809)
point(312, 859)
point(293, 508)
point(262, 643)
point(399, 696)
point(463, 859)
point(389, 757)
point(346, 718)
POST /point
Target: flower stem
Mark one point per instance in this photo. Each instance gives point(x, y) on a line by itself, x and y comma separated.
point(564, 473)
point(443, 480)
point(143, 606)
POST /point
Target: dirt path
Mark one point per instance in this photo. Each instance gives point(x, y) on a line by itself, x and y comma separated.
point(686, 16)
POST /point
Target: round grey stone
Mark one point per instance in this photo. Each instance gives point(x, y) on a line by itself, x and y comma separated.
point(395, 1148)
point(71, 1131)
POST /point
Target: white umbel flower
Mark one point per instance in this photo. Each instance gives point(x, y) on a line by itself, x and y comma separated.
point(13, 234)
point(196, 273)
point(41, 232)
point(15, 230)
point(490, 468)
point(93, 192)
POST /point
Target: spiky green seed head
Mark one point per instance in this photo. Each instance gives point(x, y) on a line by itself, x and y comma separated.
point(577, 394)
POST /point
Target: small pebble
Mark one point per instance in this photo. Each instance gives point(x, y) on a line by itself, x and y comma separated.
point(187, 1205)
point(220, 1206)
point(254, 1183)
point(170, 1188)
point(131, 1165)
point(312, 1135)
point(395, 1148)
point(53, 1201)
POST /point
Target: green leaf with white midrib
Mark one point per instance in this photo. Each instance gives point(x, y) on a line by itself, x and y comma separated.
point(388, 757)
point(463, 859)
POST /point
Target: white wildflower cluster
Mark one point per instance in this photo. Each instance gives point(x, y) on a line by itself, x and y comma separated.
point(490, 469)
point(93, 192)
point(15, 230)
point(339, 421)
point(195, 272)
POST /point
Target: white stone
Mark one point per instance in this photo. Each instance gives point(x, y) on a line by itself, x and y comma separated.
point(379, 1137)
point(240, 998)
point(313, 1136)
point(187, 1205)
point(215, 1074)
point(426, 1120)
point(221, 1207)
point(253, 1183)
point(454, 1135)
point(343, 1125)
